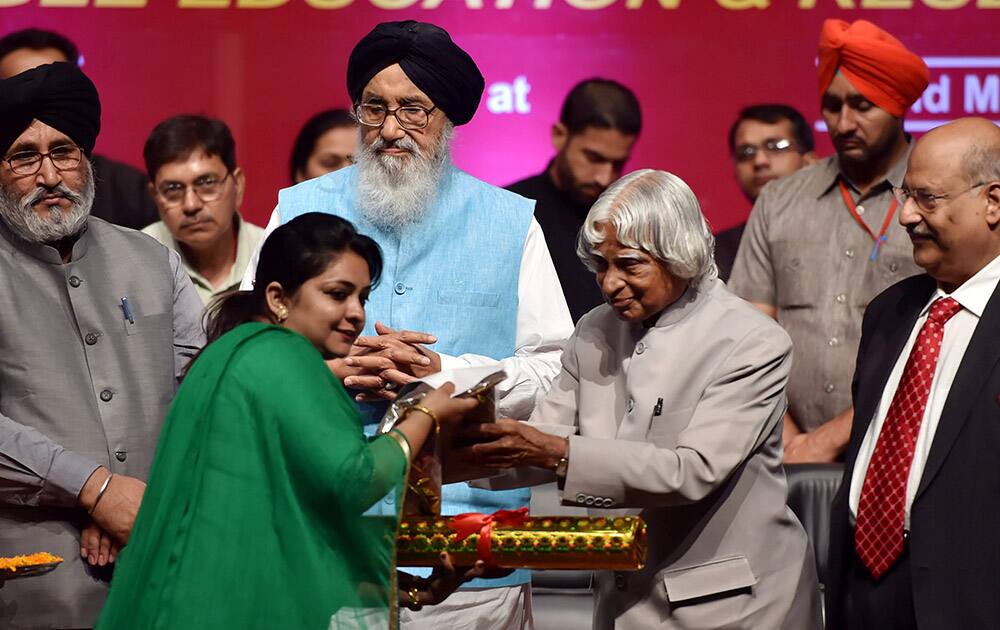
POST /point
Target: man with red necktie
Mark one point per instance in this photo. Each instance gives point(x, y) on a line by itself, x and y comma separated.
point(914, 526)
point(822, 242)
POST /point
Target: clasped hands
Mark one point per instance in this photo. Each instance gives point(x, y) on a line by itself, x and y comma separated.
point(381, 364)
point(112, 516)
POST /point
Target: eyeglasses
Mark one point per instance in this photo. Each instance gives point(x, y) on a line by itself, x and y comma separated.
point(208, 188)
point(771, 146)
point(64, 157)
point(925, 200)
point(410, 117)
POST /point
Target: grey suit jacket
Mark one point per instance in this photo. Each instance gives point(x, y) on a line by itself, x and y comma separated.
point(80, 386)
point(681, 423)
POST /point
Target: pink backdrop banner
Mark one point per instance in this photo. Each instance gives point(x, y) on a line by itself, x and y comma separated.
point(265, 66)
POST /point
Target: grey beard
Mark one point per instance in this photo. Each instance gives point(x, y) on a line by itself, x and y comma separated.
point(394, 192)
point(23, 221)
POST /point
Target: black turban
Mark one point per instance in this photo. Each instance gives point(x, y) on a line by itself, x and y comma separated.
point(435, 64)
point(57, 94)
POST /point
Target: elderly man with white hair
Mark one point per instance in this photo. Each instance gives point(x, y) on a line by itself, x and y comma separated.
point(670, 405)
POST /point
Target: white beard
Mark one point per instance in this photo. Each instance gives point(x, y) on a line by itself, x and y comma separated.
point(396, 191)
point(21, 218)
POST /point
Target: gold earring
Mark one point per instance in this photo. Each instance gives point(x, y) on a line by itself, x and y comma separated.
point(282, 314)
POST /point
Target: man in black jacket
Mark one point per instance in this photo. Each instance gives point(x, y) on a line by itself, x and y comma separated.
point(598, 126)
point(912, 542)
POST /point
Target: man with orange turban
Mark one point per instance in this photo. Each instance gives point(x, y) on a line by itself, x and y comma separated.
point(821, 243)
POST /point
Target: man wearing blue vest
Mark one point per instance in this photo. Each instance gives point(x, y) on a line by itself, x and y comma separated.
point(465, 262)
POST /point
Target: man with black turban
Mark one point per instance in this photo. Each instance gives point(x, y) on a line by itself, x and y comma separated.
point(466, 264)
point(96, 324)
point(821, 243)
point(120, 194)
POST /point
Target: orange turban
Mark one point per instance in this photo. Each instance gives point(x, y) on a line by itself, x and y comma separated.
point(877, 64)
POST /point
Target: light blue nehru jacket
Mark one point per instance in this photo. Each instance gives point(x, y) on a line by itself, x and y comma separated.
point(453, 274)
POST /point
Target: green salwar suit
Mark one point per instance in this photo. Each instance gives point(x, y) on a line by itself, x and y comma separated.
point(262, 504)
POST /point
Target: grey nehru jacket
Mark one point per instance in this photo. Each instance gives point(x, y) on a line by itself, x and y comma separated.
point(80, 386)
point(803, 253)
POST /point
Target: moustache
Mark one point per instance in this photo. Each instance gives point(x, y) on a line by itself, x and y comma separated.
point(196, 220)
point(404, 144)
point(60, 190)
point(847, 137)
point(921, 231)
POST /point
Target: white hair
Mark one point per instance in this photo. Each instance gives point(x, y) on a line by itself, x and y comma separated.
point(20, 216)
point(396, 191)
point(656, 212)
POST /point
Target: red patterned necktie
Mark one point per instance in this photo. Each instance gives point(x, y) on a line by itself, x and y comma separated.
point(878, 533)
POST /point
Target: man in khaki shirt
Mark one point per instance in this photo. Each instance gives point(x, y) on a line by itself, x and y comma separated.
point(821, 243)
point(198, 188)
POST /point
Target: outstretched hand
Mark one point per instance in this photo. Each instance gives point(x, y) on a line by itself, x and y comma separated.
point(415, 592)
point(450, 411)
point(509, 443)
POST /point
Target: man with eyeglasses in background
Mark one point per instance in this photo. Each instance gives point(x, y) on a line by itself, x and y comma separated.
point(198, 189)
point(466, 269)
point(766, 142)
point(822, 242)
point(97, 322)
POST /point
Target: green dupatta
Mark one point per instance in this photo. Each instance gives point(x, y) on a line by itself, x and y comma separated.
point(264, 505)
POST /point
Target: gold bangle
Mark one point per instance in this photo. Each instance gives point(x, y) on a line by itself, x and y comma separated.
point(414, 599)
point(431, 414)
point(404, 444)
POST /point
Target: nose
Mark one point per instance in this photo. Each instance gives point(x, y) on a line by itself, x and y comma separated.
point(390, 130)
point(48, 175)
point(355, 313)
point(761, 158)
point(192, 202)
point(604, 175)
point(846, 122)
point(610, 283)
point(909, 213)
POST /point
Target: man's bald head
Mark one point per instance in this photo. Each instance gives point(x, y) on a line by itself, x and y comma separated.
point(981, 138)
point(952, 211)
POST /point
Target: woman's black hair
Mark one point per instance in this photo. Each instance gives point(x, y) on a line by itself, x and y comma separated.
point(311, 132)
point(294, 253)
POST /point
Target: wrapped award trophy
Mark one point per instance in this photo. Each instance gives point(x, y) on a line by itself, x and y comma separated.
point(508, 538)
point(512, 539)
point(423, 487)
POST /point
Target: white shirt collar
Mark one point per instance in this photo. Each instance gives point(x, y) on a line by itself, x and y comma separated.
point(975, 292)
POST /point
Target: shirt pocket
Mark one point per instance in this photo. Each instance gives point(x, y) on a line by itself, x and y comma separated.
point(798, 274)
point(144, 324)
point(475, 299)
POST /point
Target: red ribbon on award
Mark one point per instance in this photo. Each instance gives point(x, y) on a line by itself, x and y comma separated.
point(477, 523)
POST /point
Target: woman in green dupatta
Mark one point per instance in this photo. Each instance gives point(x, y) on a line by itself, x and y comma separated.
point(258, 512)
